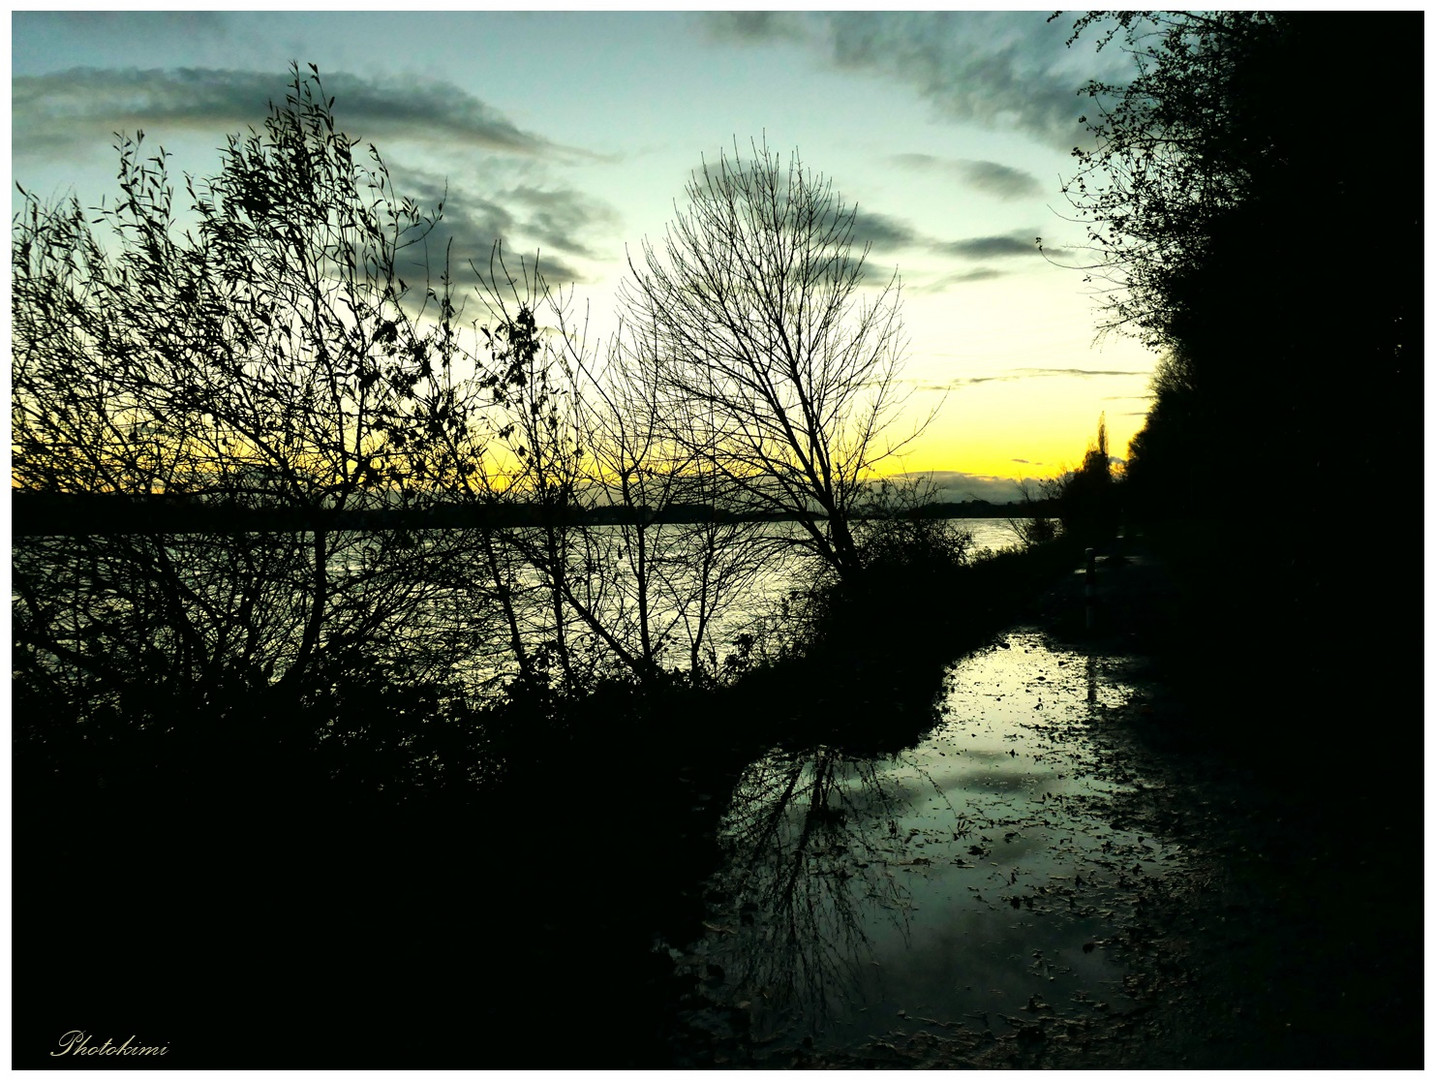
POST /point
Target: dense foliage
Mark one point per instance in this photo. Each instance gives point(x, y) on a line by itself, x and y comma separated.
point(1264, 229)
point(1254, 197)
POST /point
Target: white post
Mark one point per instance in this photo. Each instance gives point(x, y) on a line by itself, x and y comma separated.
point(1091, 586)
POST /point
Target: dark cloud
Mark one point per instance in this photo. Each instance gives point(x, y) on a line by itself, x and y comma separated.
point(1080, 372)
point(560, 218)
point(996, 68)
point(982, 273)
point(951, 486)
point(1001, 180)
point(110, 24)
point(924, 161)
point(879, 275)
point(989, 177)
point(990, 247)
point(55, 113)
point(72, 108)
point(549, 226)
point(753, 25)
point(883, 233)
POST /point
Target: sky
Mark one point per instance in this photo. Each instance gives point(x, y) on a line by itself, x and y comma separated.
point(572, 135)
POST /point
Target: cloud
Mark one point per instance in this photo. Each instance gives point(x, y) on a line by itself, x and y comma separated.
point(559, 218)
point(753, 25)
point(1036, 373)
point(982, 273)
point(989, 247)
point(951, 486)
point(71, 109)
point(1001, 180)
point(550, 225)
point(884, 233)
point(1084, 373)
point(113, 24)
point(430, 120)
point(1001, 69)
point(989, 177)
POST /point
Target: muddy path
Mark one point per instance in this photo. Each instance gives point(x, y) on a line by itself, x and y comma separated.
point(967, 895)
point(1056, 875)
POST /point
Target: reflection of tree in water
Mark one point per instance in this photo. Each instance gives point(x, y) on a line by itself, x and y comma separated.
point(811, 840)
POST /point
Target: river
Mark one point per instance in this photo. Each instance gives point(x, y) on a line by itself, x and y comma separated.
point(744, 597)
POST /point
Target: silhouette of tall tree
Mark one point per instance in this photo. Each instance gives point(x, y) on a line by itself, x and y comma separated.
point(751, 314)
point(1255, 202)
point(613, 477)
point(1087, 501)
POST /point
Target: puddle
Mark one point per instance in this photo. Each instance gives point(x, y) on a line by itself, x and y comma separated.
point(971, 881)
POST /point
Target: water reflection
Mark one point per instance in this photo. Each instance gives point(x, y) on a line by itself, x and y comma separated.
point(814, 847)
point(968, 879)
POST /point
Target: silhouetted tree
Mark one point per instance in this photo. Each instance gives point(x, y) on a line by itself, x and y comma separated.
point(897, 538)
point(272, 357)
point(1173, 152)
point(632, 587)
point(1041, 525)
point(1243, 229)
point(1211, 175)
point(751, 316)
point(689, 549)
point(1087, 500)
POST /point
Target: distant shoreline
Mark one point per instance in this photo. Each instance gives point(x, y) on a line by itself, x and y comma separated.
point(43, 514)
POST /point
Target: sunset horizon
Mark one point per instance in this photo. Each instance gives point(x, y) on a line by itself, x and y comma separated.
point(565, 145)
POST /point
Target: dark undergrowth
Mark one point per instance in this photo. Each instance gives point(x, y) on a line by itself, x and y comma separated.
point(381, 875)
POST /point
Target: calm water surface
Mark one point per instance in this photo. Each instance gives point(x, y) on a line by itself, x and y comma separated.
point(970, 878)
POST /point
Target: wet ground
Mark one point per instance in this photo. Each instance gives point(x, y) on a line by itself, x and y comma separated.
point(974, 883)
point(1052, 876)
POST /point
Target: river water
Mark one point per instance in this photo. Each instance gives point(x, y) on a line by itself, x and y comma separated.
point(972, 882)
point(751, 608)
point(993, 534)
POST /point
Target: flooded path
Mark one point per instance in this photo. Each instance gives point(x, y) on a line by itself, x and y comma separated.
point(968, 887)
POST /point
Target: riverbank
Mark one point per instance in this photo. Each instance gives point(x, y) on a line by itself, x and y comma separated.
point(538, 921)
point(337, 886)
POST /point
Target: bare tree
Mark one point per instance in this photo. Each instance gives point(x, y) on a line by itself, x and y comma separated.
point(753, 318)
point(625, 526)
point(546, 429)
point(689, 554)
